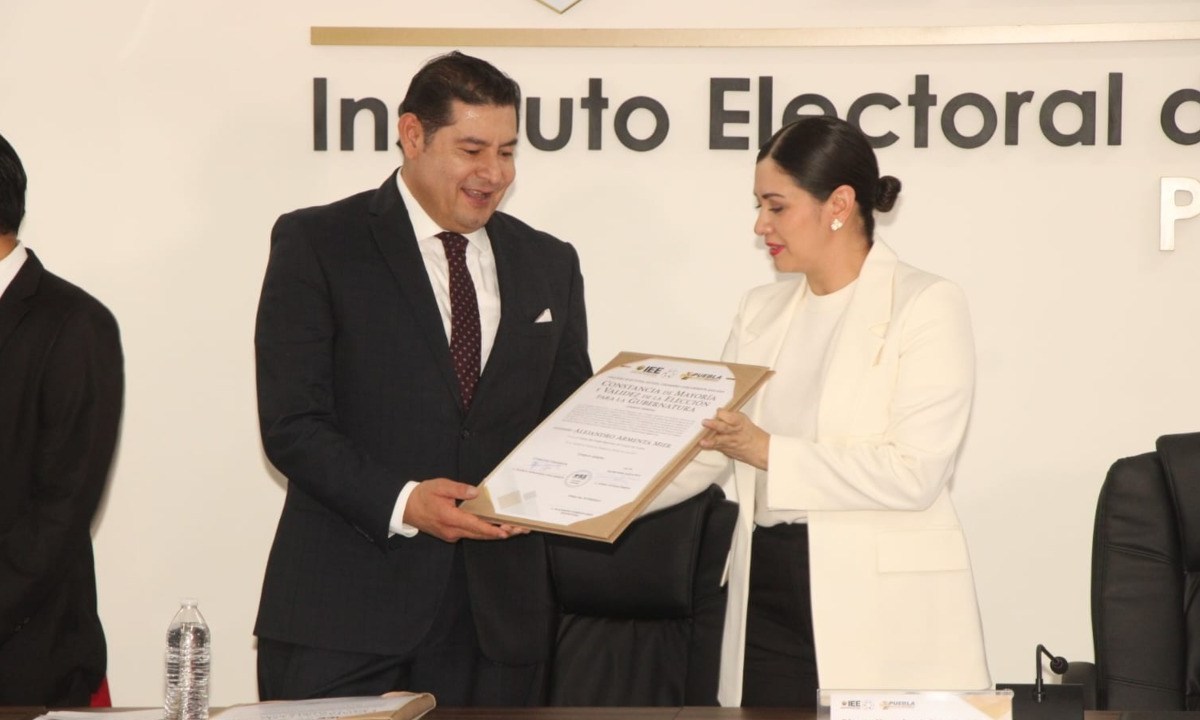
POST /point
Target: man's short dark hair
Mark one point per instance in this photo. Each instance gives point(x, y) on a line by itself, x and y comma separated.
point(456, 76)
point(12, 189)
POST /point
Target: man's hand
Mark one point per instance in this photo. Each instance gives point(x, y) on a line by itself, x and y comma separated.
point(735, 435)
point(433, 508)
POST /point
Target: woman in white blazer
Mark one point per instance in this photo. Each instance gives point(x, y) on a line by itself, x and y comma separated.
point(849, 568)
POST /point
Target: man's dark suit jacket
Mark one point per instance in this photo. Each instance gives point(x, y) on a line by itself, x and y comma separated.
point(61, 385)
point(357, 395)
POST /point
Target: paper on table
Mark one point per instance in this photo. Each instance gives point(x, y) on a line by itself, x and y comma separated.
point(143, 714)
point(395, 706)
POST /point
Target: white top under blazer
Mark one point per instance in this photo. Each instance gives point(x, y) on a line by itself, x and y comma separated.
point(893, 597)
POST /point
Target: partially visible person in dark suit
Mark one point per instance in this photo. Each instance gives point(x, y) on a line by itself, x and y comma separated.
point(407, 339)
point(61, 386)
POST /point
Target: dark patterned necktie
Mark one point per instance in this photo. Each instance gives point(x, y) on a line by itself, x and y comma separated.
point(464, 317)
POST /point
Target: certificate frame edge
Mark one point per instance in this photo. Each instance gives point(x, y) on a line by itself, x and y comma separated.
point(483, 506)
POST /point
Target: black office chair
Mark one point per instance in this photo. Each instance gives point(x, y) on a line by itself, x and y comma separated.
point(1145, 583)
point(642, 619)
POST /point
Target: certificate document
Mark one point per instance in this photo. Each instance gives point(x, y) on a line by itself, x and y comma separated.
point(590, 467)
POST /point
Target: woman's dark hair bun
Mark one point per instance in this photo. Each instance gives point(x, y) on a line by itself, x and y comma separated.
point(886, 192)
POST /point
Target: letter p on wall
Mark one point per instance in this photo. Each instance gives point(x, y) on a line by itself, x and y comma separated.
point(1169, 211)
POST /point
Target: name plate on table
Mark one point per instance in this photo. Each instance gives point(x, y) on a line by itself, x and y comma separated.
point(914, 705)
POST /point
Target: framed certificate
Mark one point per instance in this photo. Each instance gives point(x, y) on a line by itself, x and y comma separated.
point(590, 468)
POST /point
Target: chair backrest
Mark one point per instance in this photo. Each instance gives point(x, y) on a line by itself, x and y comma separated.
point(1145, 577)
point(641, 619)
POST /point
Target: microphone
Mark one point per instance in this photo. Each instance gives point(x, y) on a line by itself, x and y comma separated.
point(1058, 666)
point(1042, 701)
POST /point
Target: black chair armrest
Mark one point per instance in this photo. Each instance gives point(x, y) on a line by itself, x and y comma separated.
point(1083, 673)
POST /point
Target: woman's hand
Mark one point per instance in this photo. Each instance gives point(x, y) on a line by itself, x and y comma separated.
point(735, 435)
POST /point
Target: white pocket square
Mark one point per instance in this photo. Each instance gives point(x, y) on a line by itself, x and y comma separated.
point(545, 317)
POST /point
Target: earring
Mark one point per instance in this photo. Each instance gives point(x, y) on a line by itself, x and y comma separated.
point(835, 225)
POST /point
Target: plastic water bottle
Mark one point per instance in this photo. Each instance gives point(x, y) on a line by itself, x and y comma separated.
point(188, 641)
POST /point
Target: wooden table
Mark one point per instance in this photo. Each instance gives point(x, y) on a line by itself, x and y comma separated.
point(563, 713)
point(644, 713)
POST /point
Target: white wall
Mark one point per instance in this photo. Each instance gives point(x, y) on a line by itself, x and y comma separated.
point(162, 139)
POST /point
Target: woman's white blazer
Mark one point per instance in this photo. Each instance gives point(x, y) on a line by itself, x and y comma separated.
point(893, 597)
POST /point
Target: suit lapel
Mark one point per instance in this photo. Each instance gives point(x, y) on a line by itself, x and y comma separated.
point(857, 345)
point(15, 301)
point(504, 250)
point(519, 282)
point(393, 234)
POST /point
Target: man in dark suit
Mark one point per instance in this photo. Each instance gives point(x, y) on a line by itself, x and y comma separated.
point(398, 363)
point(61, 384)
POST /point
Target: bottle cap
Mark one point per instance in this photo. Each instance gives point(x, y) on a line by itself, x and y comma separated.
point(188, 602)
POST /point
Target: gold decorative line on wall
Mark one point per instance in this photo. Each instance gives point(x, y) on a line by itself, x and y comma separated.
point(754, 37)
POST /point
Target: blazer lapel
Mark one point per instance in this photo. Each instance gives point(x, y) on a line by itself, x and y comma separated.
point(761, 342)
point(763, 334)
point(857, 346)
point(14, 303)
point(393, 234)
point(519, 282)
